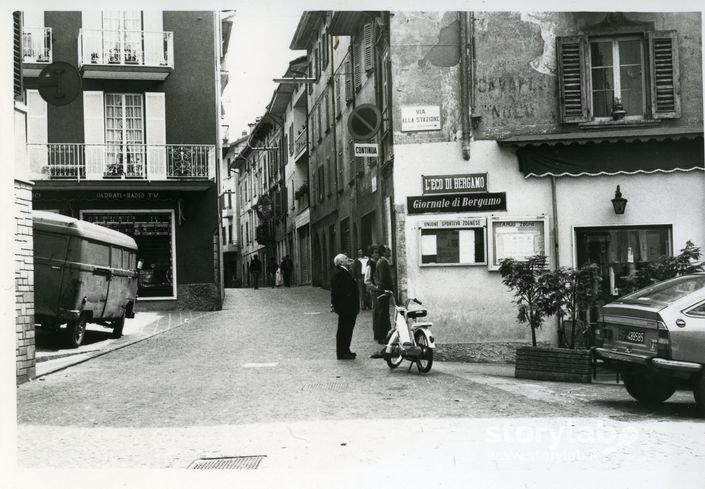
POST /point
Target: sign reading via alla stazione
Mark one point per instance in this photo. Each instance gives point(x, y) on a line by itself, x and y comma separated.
point(479, 202)
point(443, 184)
point(420, 118)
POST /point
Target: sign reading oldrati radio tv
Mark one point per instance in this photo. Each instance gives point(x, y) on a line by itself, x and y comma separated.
point(420, 118)
point(366, 150)
point(442, 184)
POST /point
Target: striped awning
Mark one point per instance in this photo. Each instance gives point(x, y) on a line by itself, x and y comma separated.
point(623, 152)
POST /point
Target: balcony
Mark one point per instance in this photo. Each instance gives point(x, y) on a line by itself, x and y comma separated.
point(36, 50)
point(136, 162)
point(301, 144)
point(125, 55)
point(226, 204)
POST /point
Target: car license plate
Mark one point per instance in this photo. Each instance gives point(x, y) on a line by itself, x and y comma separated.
point(631, 335)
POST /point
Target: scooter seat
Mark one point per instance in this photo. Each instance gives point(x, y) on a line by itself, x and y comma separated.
point(416, 313)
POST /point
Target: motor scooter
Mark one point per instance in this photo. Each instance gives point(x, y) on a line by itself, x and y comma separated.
point(409, 339)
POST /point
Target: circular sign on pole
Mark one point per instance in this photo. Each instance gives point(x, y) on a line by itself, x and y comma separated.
point(364, 122)
point(59, 83)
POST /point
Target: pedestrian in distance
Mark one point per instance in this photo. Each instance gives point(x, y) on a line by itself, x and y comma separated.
point(287, 267)
point(369, 280)
point(381, 325)
point(272, 270)
point(255, 270)
point(345, 301)
point(359, 268)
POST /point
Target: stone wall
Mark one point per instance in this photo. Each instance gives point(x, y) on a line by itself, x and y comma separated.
point(199, 297)
point(24, 283)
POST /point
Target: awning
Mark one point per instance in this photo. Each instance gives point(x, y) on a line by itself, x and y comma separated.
point(656, 150)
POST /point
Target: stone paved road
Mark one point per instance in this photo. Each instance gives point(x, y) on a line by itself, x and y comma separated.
point(261, 378)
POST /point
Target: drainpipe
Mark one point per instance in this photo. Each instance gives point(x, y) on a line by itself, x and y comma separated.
point(555, 220)
point(465, 80)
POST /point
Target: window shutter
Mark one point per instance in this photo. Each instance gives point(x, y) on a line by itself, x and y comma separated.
point(367, 46)
point(155, 132)
point(94, 134)
point(154, 54)
point(357, 61)
point(17, 54)
point(37, 132)
point(573, 80)
point(348, 80)
point(92, 36)
point(665, 76)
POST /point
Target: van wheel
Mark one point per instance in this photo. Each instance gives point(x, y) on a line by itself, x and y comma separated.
point(75, 331)
point(651, 389)
point(118, 327)
point(699, 394)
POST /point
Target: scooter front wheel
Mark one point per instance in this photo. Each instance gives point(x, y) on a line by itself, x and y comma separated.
point(426, 361)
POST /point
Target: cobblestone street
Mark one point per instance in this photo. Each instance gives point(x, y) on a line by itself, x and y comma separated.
point(261, 378)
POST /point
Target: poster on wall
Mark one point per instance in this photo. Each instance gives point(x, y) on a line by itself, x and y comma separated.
point(454, 241)
point(517, 237)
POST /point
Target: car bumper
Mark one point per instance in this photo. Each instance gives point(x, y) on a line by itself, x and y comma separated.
point(636, 359)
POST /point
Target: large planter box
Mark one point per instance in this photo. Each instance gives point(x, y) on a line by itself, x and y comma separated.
point(557, 364)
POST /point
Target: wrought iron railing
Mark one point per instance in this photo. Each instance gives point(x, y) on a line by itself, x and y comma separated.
point(36, 45)
point(121, 161)
point(132, 48)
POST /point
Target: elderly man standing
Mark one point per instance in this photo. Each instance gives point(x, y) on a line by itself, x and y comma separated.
point(345, 300)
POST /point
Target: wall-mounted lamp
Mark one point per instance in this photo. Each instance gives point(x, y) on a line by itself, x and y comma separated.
point(619, 203)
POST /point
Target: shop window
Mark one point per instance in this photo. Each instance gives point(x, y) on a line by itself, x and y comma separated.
point(620, 251)
point(153, 233)
point(453, 242)
point(612, 77)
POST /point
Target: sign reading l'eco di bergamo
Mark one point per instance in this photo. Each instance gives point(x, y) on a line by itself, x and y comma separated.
point(478, 202)
point(461, 184)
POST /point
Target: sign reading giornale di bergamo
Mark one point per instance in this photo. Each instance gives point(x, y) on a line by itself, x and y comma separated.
point(479, 202)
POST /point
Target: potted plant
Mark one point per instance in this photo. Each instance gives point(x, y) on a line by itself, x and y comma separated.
point(540, 293)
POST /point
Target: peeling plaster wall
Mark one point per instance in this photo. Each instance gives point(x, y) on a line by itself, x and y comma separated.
point(516, 88)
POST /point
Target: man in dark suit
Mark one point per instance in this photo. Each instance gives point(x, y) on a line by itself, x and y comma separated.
point(345, 300)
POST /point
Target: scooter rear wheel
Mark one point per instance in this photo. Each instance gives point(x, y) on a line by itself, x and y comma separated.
point(393, 361)
point(426, 361)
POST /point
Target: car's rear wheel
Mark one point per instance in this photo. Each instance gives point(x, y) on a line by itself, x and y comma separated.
point(75, 331)
point(699, 394)
point(118, 327)
point(650, 389)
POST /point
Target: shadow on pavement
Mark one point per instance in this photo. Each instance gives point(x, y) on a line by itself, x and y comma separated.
point(668, 411)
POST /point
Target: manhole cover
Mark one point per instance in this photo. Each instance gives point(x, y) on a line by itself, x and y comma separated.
point(227, 463)
point(326, 386)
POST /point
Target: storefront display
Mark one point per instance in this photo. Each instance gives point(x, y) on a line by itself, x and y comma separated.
point(153, 232)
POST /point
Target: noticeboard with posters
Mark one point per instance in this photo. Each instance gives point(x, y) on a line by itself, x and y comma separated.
point(459, 240)
point(516, 237)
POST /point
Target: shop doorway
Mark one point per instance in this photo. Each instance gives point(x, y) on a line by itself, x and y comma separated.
point(368, 235)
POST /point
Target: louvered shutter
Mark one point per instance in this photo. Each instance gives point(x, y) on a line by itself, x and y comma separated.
point(357, 62)
point(155, 125)
point(348, 80)
point(573, 79)
point(17, 54)
point(94, 134)
point(367, 38)
point(665, 77)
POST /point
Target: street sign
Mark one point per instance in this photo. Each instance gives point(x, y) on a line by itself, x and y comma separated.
point(364, 122)
point(366, 150)
point(59, 83)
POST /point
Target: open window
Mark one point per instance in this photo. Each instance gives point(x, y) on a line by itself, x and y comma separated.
point(631, 75)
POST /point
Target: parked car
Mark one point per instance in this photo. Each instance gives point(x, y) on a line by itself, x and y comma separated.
point(83, 273)
point(656, 338)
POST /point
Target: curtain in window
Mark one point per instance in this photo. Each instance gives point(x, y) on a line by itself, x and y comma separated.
point(124, 135)
point(123, 35)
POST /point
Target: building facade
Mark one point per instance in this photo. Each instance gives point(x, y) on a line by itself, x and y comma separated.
point(22, 217)
point(350, 196)
point(513, 134)
point(138, 150)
